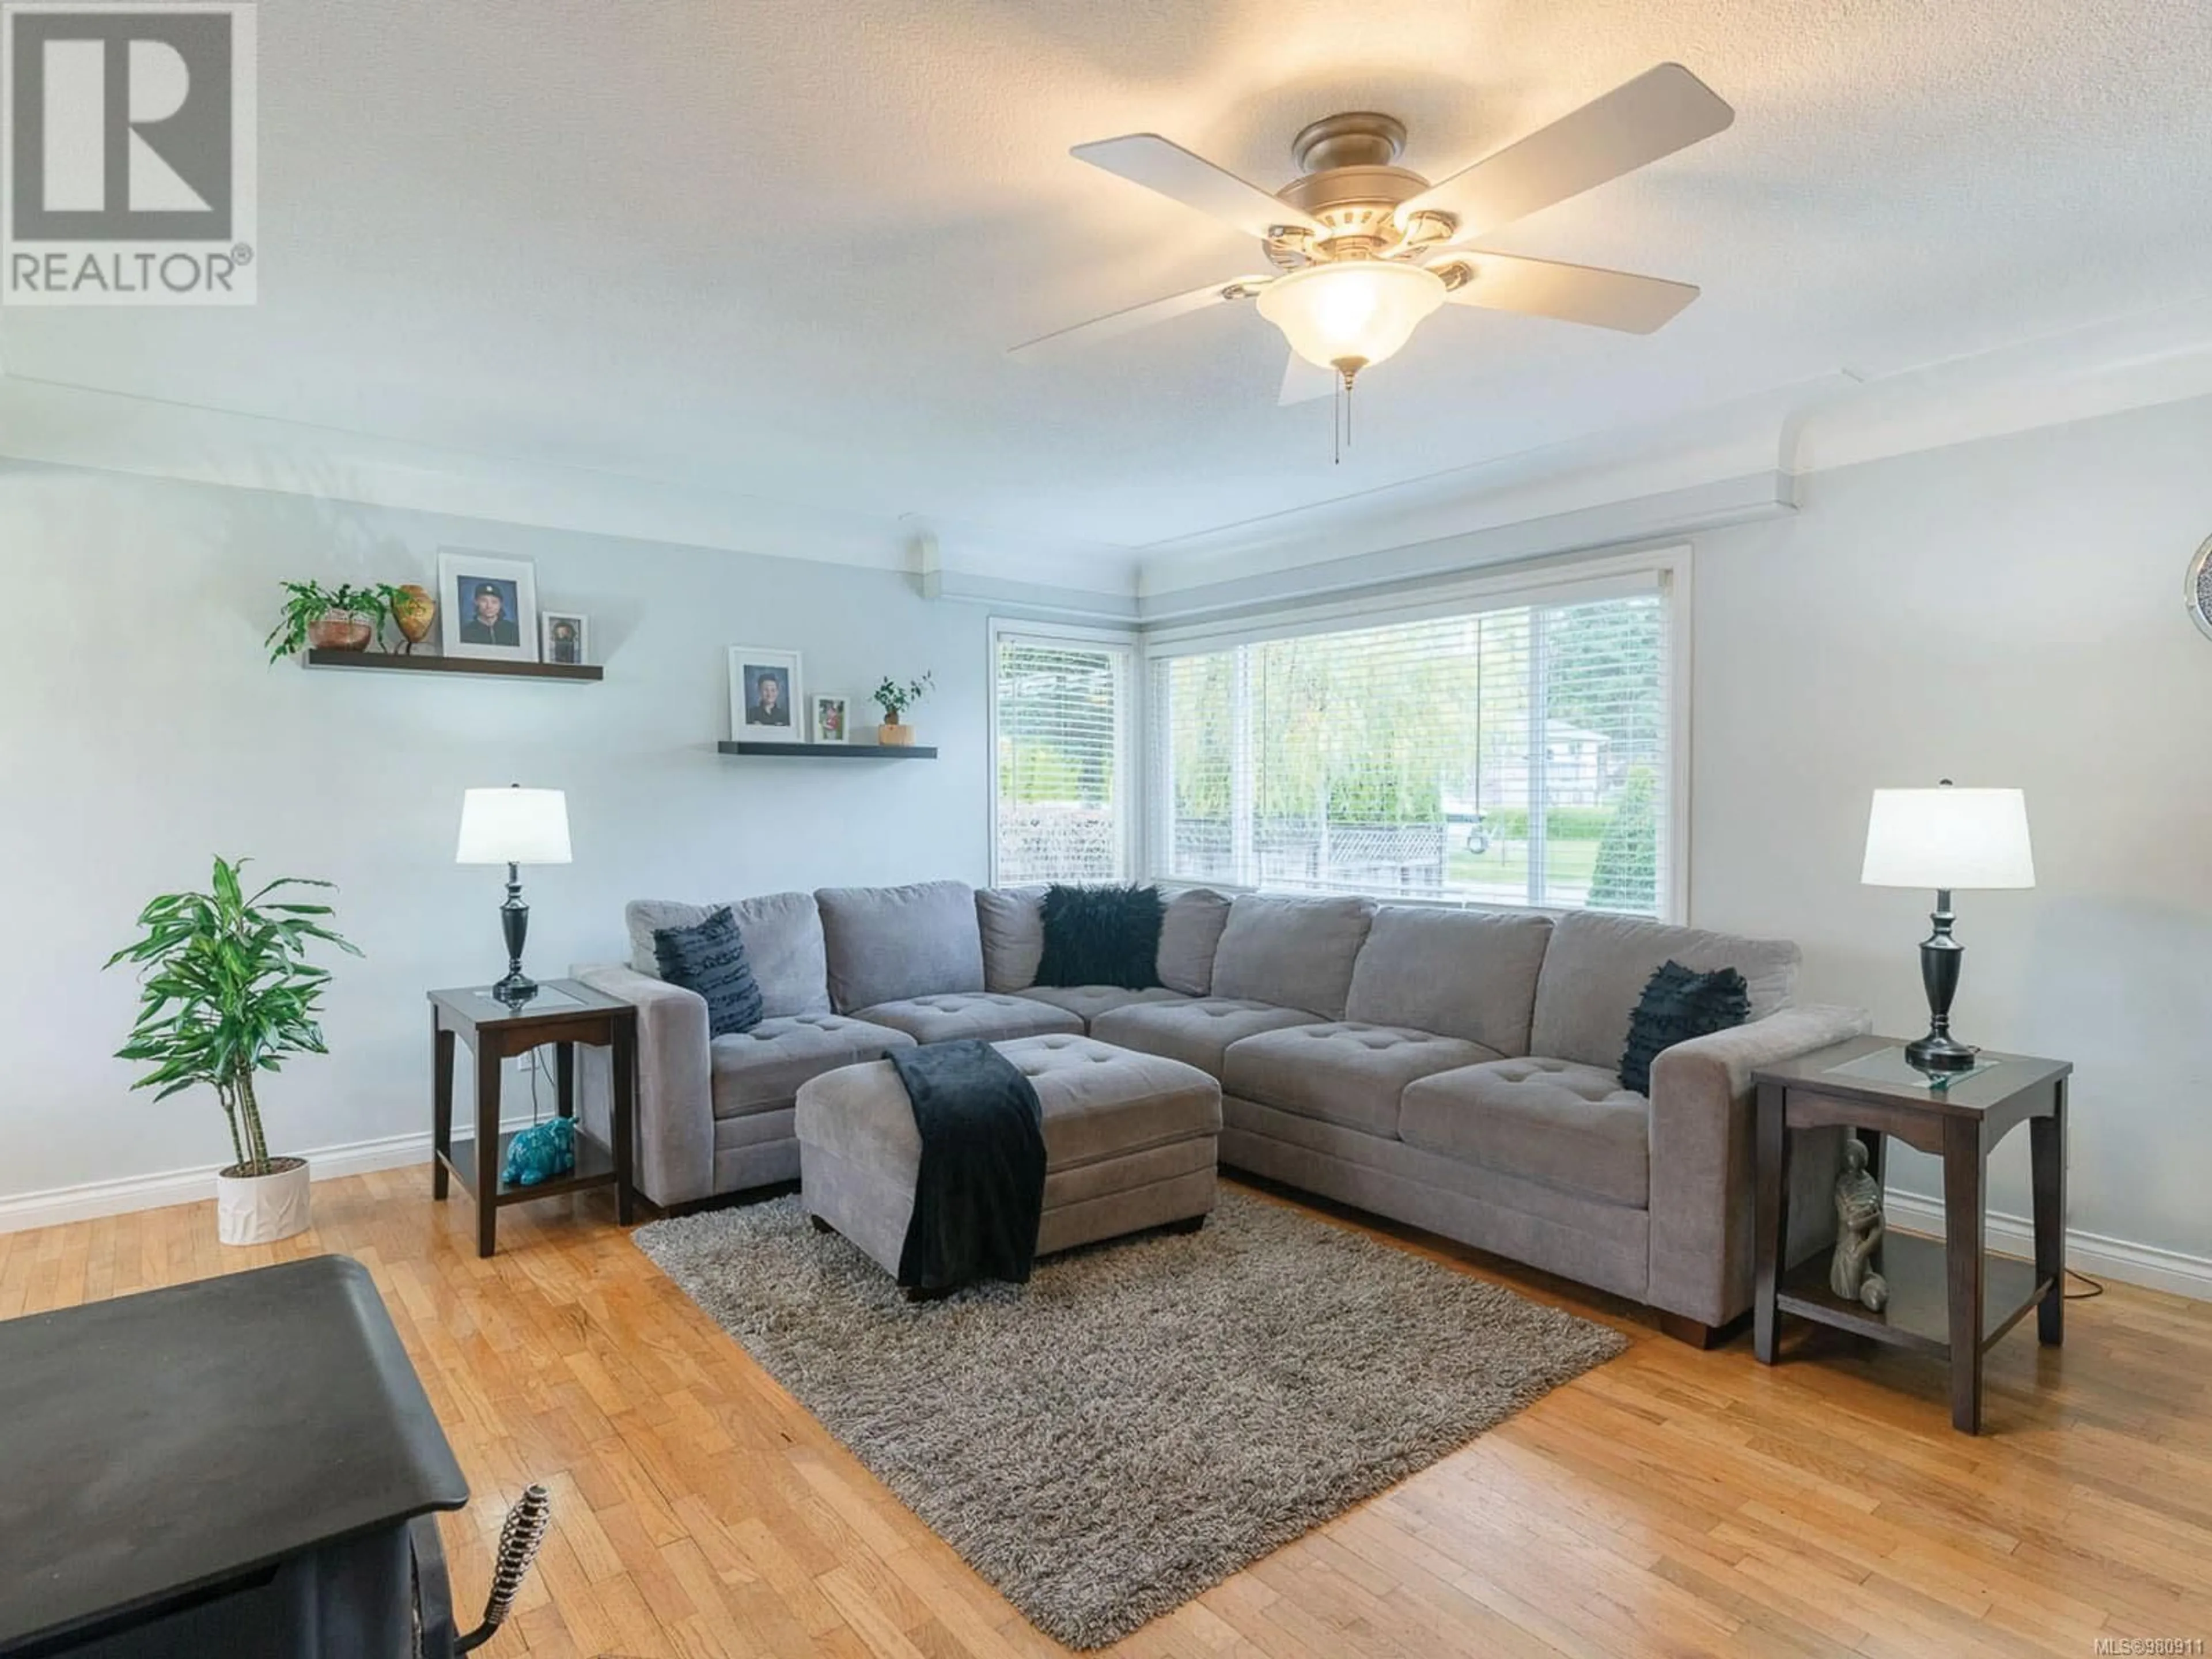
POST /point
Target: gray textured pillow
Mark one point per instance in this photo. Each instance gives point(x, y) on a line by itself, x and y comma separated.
point(1467, 974)
point(1012, 923)
point(1293, 952)
point(1190, 932)
point(888, 944)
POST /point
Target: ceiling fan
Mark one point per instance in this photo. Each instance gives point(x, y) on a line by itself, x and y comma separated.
point(1363, 250)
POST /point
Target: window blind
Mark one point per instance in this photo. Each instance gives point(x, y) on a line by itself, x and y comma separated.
point(1516, 755)
point(1060, 807)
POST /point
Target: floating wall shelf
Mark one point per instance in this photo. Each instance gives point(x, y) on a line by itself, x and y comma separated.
point(387, 662)
point(830, 751)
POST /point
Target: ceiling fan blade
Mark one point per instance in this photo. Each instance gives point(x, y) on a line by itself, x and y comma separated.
point(1303, 382)
point(1660, 111)
point(1128, 321)
point(1572, 294)
point(1147, 159)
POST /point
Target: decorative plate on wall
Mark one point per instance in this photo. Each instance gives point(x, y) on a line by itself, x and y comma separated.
point(2196, 589)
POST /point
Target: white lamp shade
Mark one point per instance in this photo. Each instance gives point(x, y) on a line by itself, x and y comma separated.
point(1948, 837)
point(1360, 311)
point(514, 826)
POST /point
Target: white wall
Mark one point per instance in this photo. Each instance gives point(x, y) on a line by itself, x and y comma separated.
point(2006, 612)
point(140, 732)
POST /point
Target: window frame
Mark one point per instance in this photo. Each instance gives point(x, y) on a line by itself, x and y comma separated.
point(1667, 569)
point(1130, 721)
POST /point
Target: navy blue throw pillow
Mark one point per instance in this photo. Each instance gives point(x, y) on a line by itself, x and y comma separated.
point(710, 957)
point(1678, 1003)
point(1102, 936)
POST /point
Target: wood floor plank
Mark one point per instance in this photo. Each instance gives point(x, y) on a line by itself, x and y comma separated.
point(1672, 1502)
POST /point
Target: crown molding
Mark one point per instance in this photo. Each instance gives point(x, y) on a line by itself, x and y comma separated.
point(53, 423)
point(1698, 469)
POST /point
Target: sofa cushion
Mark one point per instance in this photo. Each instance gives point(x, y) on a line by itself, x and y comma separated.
point(1597, 965)
point(1566, 1125)
point(890, 944)
point(983, 1015)
point(783, 934)
point(1012, 920)
point(1468, 973)
point(1102, 935)
point(709, 959)
point(1196, 1033)
point(1347, 1072)
point(762, 1070)
point(1087, 1002)
point(1190, 932)
point(1293, 952)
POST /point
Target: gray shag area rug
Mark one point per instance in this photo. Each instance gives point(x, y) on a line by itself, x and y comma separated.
point(1145, 1417)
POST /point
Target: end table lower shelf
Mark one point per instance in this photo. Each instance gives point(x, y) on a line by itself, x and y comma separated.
point(595, 1167)
point(1918, 1312)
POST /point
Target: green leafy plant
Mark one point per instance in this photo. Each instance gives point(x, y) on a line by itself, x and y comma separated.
point(896, 699)
point(226, 992)
point(308, 603)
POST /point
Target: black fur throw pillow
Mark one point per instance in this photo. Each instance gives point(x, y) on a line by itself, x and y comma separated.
point(1678, 1003)
point(710, 958)
point(1102, 936)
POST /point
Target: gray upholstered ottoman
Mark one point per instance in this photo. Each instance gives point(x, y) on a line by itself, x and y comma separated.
point(1129, 1144)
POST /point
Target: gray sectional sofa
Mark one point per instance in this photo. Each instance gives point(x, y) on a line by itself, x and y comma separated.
point(1456, 1070)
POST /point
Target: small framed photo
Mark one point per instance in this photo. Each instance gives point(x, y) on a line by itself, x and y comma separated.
point(487, 607)
point(563, 639)
point(767, 695)
point(832, 723)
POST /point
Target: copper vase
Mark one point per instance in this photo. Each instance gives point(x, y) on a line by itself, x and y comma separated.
point(414, 611)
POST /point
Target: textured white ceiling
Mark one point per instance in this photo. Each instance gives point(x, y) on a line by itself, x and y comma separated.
point(778, 249)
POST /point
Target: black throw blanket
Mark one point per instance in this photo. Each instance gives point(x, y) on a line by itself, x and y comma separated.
point(980, 1190)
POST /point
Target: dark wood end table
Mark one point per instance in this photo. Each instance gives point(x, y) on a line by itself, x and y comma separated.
point(1947, 1296)
point(564, 1013)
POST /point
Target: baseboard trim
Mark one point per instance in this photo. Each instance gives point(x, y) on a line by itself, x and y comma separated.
point(2088, 1253)
point(95, 1198)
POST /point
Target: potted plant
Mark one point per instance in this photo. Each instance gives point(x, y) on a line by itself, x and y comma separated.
point(896, 700)
point(227, 991)
point(341, 618)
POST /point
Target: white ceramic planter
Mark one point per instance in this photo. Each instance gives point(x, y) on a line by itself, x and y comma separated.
point(262, 1209)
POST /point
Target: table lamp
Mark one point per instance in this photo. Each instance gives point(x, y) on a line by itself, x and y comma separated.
point(514, 826)
point(1946, 838)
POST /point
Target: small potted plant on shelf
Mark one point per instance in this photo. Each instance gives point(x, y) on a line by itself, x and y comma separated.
point(341, 618)
point(227, 991)
point(896, 700)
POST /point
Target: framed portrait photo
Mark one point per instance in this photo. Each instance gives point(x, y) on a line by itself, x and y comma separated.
point(487, 607)
point(832, 720)
point(767, 695)
point(563, 639)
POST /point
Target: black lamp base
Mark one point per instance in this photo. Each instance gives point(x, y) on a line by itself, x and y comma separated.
point(515, 988)
point(1940, 957)
point(514, 925)
point(1937, 1052)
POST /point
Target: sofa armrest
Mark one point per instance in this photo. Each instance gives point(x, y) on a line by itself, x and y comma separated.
point(1703, 1160)
point(675, 1103)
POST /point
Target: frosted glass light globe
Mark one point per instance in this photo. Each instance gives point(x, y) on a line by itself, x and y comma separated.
point(1353, 313)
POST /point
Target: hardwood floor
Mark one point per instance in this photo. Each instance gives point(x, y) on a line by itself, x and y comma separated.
point(1672, 1502)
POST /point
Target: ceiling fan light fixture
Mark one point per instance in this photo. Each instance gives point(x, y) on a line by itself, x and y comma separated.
point(1356, 310)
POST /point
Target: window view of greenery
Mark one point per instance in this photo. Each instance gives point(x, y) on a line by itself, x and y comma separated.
point(1059, 813)
point(1517, 757)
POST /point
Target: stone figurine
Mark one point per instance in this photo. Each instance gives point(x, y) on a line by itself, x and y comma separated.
point(1858, 1231)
